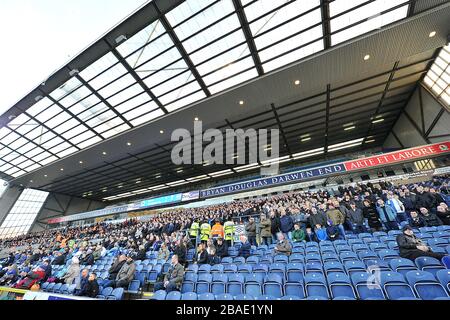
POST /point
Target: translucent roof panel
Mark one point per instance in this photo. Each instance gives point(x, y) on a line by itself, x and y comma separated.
point(438, 78)
point(377, 12)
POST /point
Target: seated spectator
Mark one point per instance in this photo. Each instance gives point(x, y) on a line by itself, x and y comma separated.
point(91, 287)
point(98, 252)
point(245, 249)
point(173, 278)
point(443, 213)
point(412, 247)
point(10, 276)
point(431, 219)
point(221, 248)
point(163, 253)
point(73, 273)
point(84, 278)
point(298, 235)
point(310, 236)
point(87, 258)
point(202, 254)
point(210, 246)
point(321, 233)
point(180, 251)
point(416, 221)
point(60, 259)
point(283, 246)
point(32, 277)
point(125, 275)
point(117, 265)
point(213, 258)
point(332, 231)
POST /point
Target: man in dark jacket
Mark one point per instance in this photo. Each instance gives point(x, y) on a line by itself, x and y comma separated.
point(180, 251)
point(317, 218)
point(60, 259)
point(412, 247)
point(286, 224)
point(245, 249)
point(173, 278)
point(424, 199)
point(250, 228)
point(431, 220)
point(443, 213)
point(115, 268)
point(221, 248)
point(416, 221)
point(275, 225)
point(355, 218)
point(202, 255)
point(90, 287)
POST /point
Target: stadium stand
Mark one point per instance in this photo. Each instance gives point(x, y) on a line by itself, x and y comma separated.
point(128, 259)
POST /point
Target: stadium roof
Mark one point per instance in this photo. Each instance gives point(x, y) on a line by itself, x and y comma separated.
point(100, 117)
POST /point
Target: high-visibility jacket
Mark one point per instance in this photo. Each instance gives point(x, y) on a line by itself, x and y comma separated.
point(217, 230)
point(205, 231)
point(229, 229)
point(194, 229)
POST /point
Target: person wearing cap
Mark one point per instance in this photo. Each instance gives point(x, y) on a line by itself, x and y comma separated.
point(412, 247)
point(73, 273)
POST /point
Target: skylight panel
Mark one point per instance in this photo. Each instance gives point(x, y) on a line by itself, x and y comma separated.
point(108, 125)
point(57, 119)
point(108, 76)
point(126, 94)
point(93, 112)
point(44, 137)
point(34, 152)
point(116, 130)
point(99, 66)
point(51, 143)
point(133, 114)
point(225, 60)
point(26, 148)
point(229, 70)
point(60, 147)
point(18, 121)
point(49, 113)
point(147, 117)
point(75, 96)
point(66, 88)
point(186, 10)
point(185, 101)
point(66, 126)
point(7, 140)
point(116, 86)
point(89, 142)
point(97, 119)
point(216, 31)
point(141, 38)
point(39, 106)
point(26, 127)
point(250, 74)
point(75, 132)
point(371, 11)
point(178, 93)
point(17, 143)
point(173, 83)
point(133, 103)
point(150, 51)
point(84, 104)
point(438, 77)
point(81, 136)
point(4, 132)
point(202, 19)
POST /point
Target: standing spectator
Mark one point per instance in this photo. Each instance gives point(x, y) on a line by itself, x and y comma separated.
point(73, 273)
point(317, 217)
point(217, 230)
point(275, 225)
point(266, 235)
point(356, 219)
point(371, 214)
point(222, 248)
point(387, 215)
point(286, 224)
point(250, 228)
point(397, 206)
point(337, 218)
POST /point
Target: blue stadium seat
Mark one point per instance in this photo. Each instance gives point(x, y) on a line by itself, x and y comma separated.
point(63, 289)
point(173, 295)
point(429, 264)
point(354, 266)
point(235, 284)
point(217, 268)
point(316, 298)
point(313, 257)
point(227, 260)
point(154, 273)
point(56, 288)
point(290, 297)
point(340, 285)
point(438, 242)
point(134, 287)
point(44, 286)
point(333, 266)
point(279, 269)
point(394, 233)
point(204, 268)
point(340, 243)
point(388, 254)
point(343, 248)
point(395, 285)
point(281, 258)
point(374, 265)
point(266, 260)
point(311, 245)
point(266, 297)
point(379, 234)
point(105, 293)
point(297, 258)
point(294, 272)
point(315, 285)
point(425, 285)
point(189, 296)
point(327, 257)
point(159, 295)
point(230, 268)
point(192, 268)
point(348, 256)
point(224, 297)
point(378, 246)
point(206, 296)
point(367, 286)
point(427, 229)
point(203, 284)
point(367, 255)
point(244, 297)
point(294, 289)
point(443, 228)
point(253, 284)
point(352, 242)
point(273, 285)
point(117, 294)
point(244, 268)
point(219, 283)
point(444, 278)
point(261, 268)
point(252, 260)
point(239, 260)
point(300, 250)
point(343, 298)
point(446, 262)
point(402, 265)
point(327, 249)
point(313, 267)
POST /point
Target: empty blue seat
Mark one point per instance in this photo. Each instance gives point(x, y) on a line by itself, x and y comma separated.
point(244, 297)
point(313, 266)
point(217, 268)
point(273, 285)
point(333, 266)
point(56, 288)
point(134, 287)
point(446, 262)
point(313, 257)
point(330, 257)
point(315, 285)
point(219, 282)
point(192, 268)
point(235, 284)
point(290, 297)
point(281, 258)
point(439, 242)
point(239, 260)
point(348, 256)
point(343, 248)
point(354, 266)
point(279, 269)
point(203, 283)
point(294, 289)
point(395, 285)
point(367, 255)
point(402, 265)
point(343, 298)
point(367, 286)
point(377, 246)
point(205, 296)
point(425, 285)
point(189, 296)
point(297, 258)
point(316, 298)
point(294, 272)
point(227, 260)
point(105, 293)
point(340, 285)
point(429, 264)
point(252, 260)
point(159, 295)
point(173, 295)
point(253, 284)
point(244, 268)
point(230, 268)
point(117, 294)
point(204, 268)
point(388, 254)
point(266, 297)
point(224, 297)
